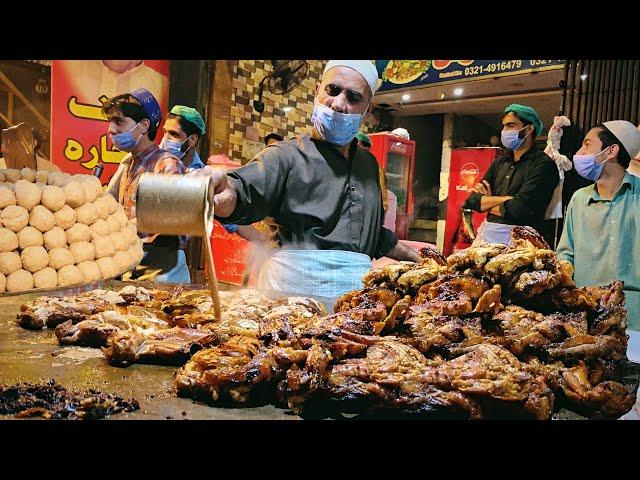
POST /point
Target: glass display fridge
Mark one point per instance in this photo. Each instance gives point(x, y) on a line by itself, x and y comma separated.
point(396, 156)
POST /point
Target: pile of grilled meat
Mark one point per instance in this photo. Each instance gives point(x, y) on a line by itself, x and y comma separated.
point(490, 332)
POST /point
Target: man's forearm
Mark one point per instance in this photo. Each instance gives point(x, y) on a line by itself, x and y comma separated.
point(487, 202)
point(402, 252)
point(249, 232)
point(496, 211)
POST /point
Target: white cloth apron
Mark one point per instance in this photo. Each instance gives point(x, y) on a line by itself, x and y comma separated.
point(323, 273)
point(490, 232)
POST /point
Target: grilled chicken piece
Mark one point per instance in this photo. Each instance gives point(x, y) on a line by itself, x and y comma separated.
point(610, 296)
point(519, 330)
point(428, 332)
point(283, 324)
point(310, 305)
point(365, 298)
point(95, 331)
point(395, 305)
point(387, 275)
point(172, 346)
point(427, 272)
point(240, 319)
point(345, 333)
point(612, 347)
point(489, 302)
point(609, 321)
point(551, 372)
point(389, 379)
point(235, 372)
point(530, 284)
point(586, 299)
point(87, 333)
point(302, 385)
point(199, 301)
point(475, 257)
point(141, 296)
point(193, 320)
point(452, 294)
point(504, 265)
point(51, 311)
point(594, 300)
point(487, 381)
point(494, 373)
point(527, 237)
point(605, 399)
point(449, 284)
point(428, 253)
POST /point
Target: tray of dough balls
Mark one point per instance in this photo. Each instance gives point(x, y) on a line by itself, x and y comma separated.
point(61, 230)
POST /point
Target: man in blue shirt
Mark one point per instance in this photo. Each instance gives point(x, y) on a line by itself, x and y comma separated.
point(182, 131)
point(600, 236)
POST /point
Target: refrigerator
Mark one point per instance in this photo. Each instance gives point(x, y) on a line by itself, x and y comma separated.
point(468, 167)
point(396, 156)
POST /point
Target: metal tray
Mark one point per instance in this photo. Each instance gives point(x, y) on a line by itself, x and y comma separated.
point(64, 291)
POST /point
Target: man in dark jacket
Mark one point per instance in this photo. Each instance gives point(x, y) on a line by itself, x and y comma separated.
point(518, 186)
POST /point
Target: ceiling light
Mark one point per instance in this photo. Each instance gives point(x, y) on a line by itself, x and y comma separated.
point(457, 92)
point(287, 109)
point(441, 96)
point(406, 97)
point(583, 77)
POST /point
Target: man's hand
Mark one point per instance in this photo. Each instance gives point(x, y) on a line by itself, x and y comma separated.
point(483, 188)
point(225, 197)
point(402, 252)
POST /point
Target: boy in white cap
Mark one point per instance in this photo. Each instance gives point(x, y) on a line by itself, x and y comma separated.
point(322, 191)
point(600, 236)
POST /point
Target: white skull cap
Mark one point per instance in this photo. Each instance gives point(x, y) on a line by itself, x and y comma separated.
point(401, 132)
point(364, 67)
point(627, 134)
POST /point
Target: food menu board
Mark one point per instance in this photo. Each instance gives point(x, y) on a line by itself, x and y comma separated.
point(400, 74)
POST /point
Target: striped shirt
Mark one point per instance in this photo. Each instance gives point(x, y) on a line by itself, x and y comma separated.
point(154, 160)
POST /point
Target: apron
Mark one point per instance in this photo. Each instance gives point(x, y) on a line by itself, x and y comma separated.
point(323, 273)
point(490, 232)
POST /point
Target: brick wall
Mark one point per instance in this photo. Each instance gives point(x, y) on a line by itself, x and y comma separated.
point(237, 127)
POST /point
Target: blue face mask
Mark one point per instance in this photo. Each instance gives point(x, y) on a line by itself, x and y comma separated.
point(174, 146)
point(587, 167)
point(511, 139)
point(335, 127)
point(124, 141)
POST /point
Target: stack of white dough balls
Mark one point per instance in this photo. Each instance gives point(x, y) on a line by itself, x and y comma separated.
point(58, 230)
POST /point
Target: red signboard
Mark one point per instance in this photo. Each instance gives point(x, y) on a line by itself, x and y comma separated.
point(79, 138)
point(467, 168)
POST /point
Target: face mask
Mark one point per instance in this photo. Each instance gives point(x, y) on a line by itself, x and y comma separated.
point(124, 141)
point(511, 139)
point(179, 149)
point(335, 127)
point(587, 167)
